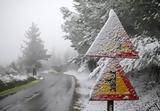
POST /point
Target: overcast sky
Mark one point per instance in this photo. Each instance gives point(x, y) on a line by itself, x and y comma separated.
point(16, 17)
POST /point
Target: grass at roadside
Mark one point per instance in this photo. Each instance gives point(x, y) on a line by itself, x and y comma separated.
point(18, 88)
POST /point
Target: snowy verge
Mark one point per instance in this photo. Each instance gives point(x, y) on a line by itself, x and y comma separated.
point(18, 77)
point(10, 77)
point(148, 93)
point(84, 92)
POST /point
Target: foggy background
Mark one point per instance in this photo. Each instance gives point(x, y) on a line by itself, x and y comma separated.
point(82, 21)
point(16, 16)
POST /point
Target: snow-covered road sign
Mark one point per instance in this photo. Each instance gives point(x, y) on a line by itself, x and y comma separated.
point(112, 41)
point(112, 84)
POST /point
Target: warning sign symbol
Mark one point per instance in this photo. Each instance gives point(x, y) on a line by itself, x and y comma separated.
point(113, 84)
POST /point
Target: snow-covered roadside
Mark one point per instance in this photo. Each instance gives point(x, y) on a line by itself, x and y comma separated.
point(11, 77)
point(9, 74)
point(146, 88)
point(17, 77)
point(84, 91)
point(148, 97)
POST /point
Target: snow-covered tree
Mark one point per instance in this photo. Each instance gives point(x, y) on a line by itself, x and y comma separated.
point(83, 25)
point(34, 49)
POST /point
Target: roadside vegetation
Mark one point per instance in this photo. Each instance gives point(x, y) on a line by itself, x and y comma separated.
point(14, 86)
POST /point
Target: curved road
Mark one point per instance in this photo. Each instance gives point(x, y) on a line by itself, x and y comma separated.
point(54, 93)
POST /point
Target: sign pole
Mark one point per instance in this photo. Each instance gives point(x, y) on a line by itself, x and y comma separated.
point(110, 105)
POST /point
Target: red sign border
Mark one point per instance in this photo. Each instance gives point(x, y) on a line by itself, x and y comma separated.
point(131, 96)
point(132, 55)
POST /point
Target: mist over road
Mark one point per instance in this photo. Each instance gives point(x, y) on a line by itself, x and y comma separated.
point(54, 93)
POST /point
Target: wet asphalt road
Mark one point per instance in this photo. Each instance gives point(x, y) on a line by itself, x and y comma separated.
point(53, 93)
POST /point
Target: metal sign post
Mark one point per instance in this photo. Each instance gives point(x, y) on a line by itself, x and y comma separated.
point(110, 105)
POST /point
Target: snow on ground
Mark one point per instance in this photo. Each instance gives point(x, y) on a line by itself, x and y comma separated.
point(149, 54)
point(84, 91)
point(148, 95)
point(10, 77)
point(6, 78)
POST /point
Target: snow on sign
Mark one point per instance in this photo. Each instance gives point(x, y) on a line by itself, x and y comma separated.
point(113, 84)
point(112, 41)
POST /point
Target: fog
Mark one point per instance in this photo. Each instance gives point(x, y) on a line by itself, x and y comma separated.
point(16, 16)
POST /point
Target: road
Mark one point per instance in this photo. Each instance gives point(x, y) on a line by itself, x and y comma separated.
point(53, 93)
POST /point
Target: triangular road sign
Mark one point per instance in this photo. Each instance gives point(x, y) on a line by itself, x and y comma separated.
point(113, 84)
point(112, 41)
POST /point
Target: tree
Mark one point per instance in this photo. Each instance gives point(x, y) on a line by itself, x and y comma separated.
point(33, 51)
point(137, 17)
point(80, 27)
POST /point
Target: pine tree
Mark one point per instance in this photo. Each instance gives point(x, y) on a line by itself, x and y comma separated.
point(34, 50)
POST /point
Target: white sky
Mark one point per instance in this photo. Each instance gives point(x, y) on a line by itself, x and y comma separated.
point(16, 17)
